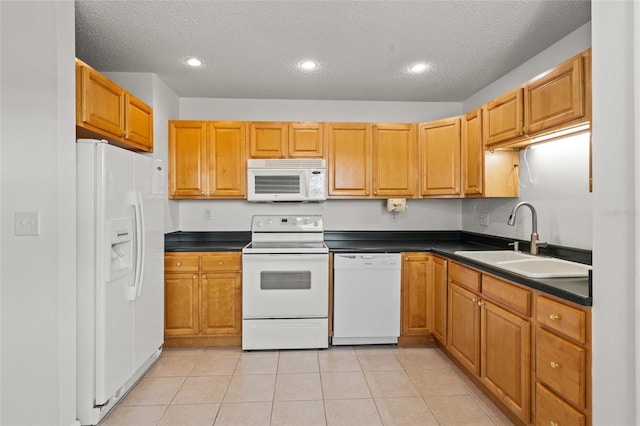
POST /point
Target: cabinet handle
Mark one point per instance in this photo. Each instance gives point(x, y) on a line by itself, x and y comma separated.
point(178, 263)
point(480, 302)
point(406, 258)
point(204, 277)
point(194, 277)
point(367, 192)
point(554, 365)
point(552, 423)
point(554, 317)
point(202, 192)
point(220, 262)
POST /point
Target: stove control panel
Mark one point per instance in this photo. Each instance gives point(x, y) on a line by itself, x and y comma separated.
point(269, 223)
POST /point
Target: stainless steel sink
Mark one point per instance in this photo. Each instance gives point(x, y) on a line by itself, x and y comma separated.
point(528, 265)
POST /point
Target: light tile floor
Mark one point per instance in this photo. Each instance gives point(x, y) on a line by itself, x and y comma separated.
point(374, 385)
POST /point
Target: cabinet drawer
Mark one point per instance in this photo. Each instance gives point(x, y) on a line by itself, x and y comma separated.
point(562, 318)
point(507, 294)
point(221, 262)
point(561, 365)
point(551, 410)
point(181, 263)
point(465, 277)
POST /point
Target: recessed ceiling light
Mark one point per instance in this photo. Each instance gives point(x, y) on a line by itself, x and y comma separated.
point(419, 67)
point(193, 62)
point(308, 65)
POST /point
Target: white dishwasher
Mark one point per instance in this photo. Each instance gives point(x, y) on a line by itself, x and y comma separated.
point(366, 298)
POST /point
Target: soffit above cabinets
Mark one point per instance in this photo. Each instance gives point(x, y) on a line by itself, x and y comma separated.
point(251, 49)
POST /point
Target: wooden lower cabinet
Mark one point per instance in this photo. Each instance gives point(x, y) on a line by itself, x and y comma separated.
point(505, 354)
point(416, 317)
point(528, 351)
point(203, 299)
point(440, 299)
point(464, 327)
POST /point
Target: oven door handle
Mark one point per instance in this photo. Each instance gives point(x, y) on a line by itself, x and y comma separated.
point(284, 256)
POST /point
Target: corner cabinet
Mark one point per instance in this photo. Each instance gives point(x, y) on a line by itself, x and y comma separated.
point(486, 173)
point(105, 110)
point(207, 159)
point(203, 299)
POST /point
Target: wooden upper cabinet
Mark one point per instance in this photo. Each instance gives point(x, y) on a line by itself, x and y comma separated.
point(439, 146)
point(349, 159)
point(268, 140)
point(286, 140)
point(187, 159)
point(101, 102)
point(139, 124)
point(306, 140)
point(472, 154)
point(394, 160)
point(227, 164)
point(555, 97)
point(105, 110)
point(503, 118)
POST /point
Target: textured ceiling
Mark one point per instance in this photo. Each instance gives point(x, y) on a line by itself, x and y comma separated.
point(250, 49)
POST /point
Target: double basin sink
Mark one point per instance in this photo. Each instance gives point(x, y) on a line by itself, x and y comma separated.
point(528, 265)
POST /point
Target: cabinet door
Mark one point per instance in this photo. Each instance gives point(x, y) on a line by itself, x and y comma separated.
point(187, 159)
point(268, 140)
point(393, 160)
point(503, 118)
point(440, 157)
point(349, 159)
point(417, 294)
point(221, 311)
point(227, 168)
point(101, 102)
point(464, 327)
point(555, 97)
point(181, 304)
point(139, 125)
point(472, 154)
point(506, 357)
point(306, 140)
point(440, 299)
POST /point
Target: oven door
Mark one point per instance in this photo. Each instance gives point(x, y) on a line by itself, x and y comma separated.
point(285, 285)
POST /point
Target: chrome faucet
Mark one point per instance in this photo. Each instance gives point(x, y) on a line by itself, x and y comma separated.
point(535, 243)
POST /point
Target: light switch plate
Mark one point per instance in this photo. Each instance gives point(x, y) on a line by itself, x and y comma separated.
point(27, 223)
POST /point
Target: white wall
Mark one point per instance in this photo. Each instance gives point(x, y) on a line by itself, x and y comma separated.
point(314, 110)
point(346, 215)
point(615, 218)
point(37, 173)
point(556, 182)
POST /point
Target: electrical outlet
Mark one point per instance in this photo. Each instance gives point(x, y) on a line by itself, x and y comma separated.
point(207, 214)
point(27, 223)
point(484, 219)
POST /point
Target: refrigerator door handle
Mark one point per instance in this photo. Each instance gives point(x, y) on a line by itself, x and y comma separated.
point(142, 239)
point(135, 290)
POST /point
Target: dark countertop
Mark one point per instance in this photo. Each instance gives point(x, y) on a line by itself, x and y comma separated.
point(443, 243)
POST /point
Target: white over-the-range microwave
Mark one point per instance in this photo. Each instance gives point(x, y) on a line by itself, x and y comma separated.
point(286, 180)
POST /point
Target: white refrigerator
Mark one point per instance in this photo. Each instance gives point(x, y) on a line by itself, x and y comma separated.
point(120, 273)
